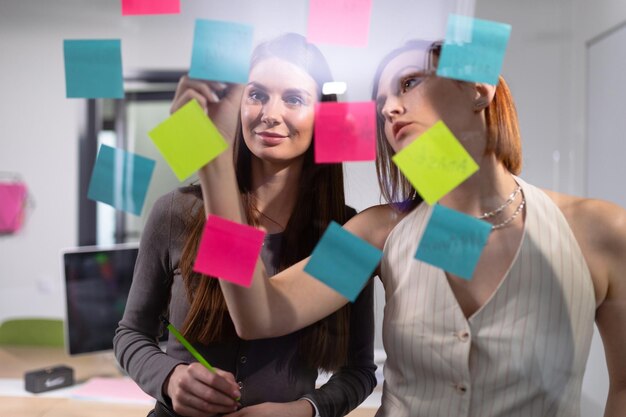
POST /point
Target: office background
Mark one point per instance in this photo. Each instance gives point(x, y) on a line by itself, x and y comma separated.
point(559, 63)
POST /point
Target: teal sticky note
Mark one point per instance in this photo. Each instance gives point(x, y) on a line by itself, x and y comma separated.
point(453, 241)
point(93, 68)
point(473, 49)
point(221, 51)
point(121, 179)
point(343, 261)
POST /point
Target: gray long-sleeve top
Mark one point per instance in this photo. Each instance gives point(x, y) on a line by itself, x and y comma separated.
point(267, 369)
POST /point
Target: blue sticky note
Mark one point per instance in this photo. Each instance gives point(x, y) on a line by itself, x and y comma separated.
point(221, 51)
point(473, 49)
point(93, 68)
point(343, 261)
point(121, 179)
point(453, 241)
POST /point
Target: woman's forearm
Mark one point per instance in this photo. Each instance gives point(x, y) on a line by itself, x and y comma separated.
point(248, 307)
point(219, 189)
point(291, 300)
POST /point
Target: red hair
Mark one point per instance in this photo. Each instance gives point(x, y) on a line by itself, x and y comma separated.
point(503, 139)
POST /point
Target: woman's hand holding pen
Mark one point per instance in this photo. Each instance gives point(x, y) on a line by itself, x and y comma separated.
point(195, 391)
point(220, 101)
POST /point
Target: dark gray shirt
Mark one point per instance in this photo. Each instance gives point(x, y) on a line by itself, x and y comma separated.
point(267, 369)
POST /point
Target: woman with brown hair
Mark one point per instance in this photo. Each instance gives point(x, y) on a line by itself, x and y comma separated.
point(293, 200)
point(514, 339)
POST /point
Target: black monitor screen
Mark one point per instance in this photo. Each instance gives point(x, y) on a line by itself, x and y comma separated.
point(97, 282)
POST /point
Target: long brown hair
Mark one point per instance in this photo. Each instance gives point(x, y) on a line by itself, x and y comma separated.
point(503, 140)
point(323, 344)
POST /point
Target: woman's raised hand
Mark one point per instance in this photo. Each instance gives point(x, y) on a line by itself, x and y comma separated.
point(197, 392)
point(220, 101)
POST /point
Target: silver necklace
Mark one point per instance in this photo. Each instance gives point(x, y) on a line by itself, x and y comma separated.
point(503, 206)
point(517, 211)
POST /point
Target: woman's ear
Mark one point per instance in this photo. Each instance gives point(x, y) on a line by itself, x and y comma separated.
point(483, 95)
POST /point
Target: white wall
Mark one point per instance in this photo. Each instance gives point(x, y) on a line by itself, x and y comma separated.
point(533, 67)
point(592, 21)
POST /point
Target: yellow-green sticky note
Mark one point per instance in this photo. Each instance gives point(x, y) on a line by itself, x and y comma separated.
point(435, 163)
point(188, 140)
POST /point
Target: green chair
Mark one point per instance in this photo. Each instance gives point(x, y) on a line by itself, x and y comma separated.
point(32, 332)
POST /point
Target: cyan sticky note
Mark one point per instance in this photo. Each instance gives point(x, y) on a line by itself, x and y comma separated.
point(342, 22)
point(121, 179)
point(188, 140)
point(147, 7)
point(453, 241)
point(473, 49)
point(229, 250)
point(435, 163)
point(221, 51)
point(93, 68)
point(345, 132)
point(343, 261)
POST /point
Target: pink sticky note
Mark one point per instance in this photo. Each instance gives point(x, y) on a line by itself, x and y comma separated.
point(344, 22)
point(229, 250)
point(137, 7)
point(345, 132)
point(12, 200)
point(114, 390)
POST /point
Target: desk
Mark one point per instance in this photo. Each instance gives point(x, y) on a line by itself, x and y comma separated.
point(15, 361)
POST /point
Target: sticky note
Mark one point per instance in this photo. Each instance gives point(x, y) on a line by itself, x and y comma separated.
point(121, 179)
point(473, 49)
point(342, 22)
point(343, 261)
point(345, 132)
point(435, 163)
point(221, 51)
point(93, 68)
point(188, 140)
point(453, 241)
point(141, 7)
point(12, 203)
point(112, 390)
point(229, 250)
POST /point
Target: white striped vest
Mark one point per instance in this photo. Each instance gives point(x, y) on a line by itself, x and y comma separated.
point(522, 354)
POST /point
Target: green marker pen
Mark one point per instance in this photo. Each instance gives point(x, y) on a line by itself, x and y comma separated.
point(189, 347)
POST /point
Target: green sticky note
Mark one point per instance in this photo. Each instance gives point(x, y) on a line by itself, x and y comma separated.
point(188, 140)
point(435, 163)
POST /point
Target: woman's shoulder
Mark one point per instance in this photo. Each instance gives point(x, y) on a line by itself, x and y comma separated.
point(375, 223)
point(187, 194)
point(598, 224)
point(590, 213)
point(177, 202)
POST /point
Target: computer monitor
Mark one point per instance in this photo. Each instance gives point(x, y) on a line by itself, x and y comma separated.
point(97, 281)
